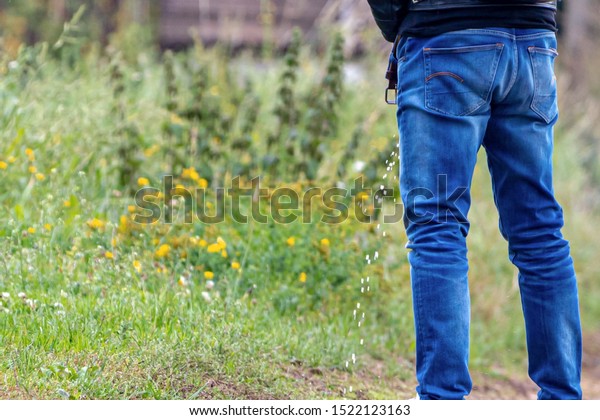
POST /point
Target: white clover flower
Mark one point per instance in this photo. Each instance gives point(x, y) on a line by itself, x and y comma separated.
point(5, 295)
point(58, 305)
point(22, 295)
point(206, 296)
point(210, 284)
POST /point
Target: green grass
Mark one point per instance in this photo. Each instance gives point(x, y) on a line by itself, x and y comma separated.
point(105, 315)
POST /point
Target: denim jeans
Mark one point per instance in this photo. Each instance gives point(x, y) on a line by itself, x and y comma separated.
point(458, 91)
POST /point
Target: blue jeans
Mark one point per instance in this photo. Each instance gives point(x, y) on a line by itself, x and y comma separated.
point(459, 91)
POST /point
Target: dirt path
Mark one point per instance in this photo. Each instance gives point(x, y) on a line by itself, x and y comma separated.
point(372, 382)
point(524, 388)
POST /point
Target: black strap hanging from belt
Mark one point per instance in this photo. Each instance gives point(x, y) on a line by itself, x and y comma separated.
point(391, 75)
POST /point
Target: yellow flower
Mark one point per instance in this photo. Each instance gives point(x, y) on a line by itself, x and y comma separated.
point(202, 183)
point(3, 165)
point(96, 224)
point(137, 266)
point(362, 196)
point(48, 226)
point(32, 169)
point(163, 251)
point(151, 150)
point(30, 154)
point(40, 176)
point(11, 159)
point(202, 243)
point(67, 203)
point(113, 242)
point(190, 173)
point(291, 241)
point(109, 255)
point(325, 243)
point(235, 265)
point(302, 277)
point(31, 230)
point(217, 247)
point(131, 208)
point(224, 254)
point(143, 182)
point(209, 275)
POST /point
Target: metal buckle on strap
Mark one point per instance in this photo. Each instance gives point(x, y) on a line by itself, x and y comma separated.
point(391, 75)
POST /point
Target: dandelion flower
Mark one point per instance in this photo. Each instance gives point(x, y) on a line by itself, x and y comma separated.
point(131, 208)
point(202, 243)
point(40, 176)
point(32, 169)
point(30, 154)
point(48, 226)
point(235, 265)
point(291, 241)
point(325, 242)
point(209, 275)
point(109, 255)
point(163, 251)
point(143, 182)
point(3, 165)
point(67, 203)
point(214, 248)
point(302, 277)
point(202, 183)
point(224, 254)
point(11, 159)
point(137, 266)
point(96, 224)
point(31, 230)
point(190, 173)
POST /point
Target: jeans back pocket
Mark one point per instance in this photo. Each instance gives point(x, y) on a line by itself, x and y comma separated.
point(458, 80)
point(544, 101)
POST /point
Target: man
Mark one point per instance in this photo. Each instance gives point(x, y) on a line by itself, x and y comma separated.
point(477, 73)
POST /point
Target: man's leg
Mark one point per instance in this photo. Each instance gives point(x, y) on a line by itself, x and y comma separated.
point(441, 79)
point(519, 148)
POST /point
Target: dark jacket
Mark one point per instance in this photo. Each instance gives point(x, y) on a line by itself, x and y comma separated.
point(388, 14)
